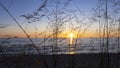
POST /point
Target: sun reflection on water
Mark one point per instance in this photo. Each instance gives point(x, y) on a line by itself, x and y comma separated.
point(71, 43)
point(71, 50)
point(71, 53)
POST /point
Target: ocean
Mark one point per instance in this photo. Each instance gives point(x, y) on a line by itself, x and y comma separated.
point(15, 46)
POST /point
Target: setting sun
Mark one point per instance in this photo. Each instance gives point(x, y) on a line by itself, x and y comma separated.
point(71, 36)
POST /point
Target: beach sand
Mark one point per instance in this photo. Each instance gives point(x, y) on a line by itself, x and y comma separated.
point(84, 60)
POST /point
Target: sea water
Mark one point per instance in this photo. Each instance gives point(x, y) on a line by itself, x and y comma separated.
point(17, 46)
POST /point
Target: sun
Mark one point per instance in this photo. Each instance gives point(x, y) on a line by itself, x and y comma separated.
point(70, 35)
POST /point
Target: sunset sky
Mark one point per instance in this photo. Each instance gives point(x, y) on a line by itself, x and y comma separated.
point(21, 7)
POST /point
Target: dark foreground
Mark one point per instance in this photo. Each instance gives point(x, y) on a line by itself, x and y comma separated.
point(60, 61)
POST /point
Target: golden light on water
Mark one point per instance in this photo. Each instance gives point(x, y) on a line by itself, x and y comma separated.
point(71, 53)
point(71, 37)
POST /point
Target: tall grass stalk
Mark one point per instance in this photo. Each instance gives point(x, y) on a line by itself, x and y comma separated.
point(43, 61)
